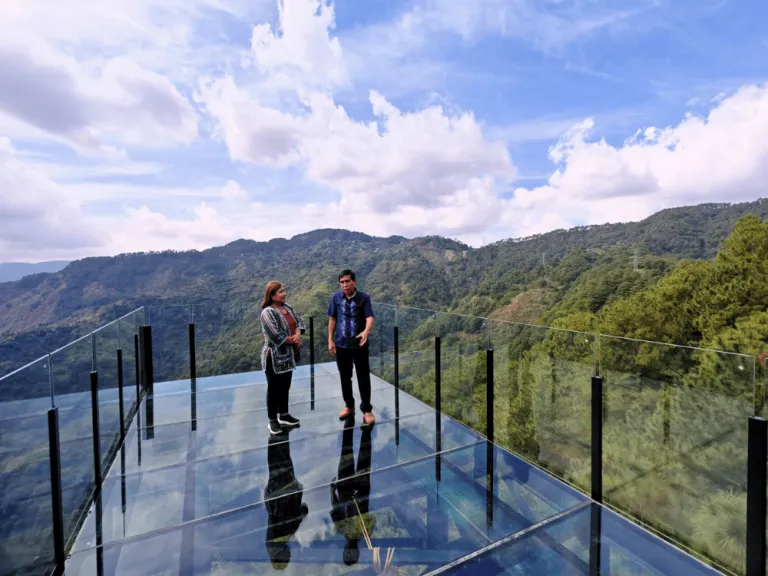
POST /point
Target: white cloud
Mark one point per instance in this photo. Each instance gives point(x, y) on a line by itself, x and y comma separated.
point(122, 103)
point(300, 46)
point(722, 157)
point(422, 166)
point(36, 214)
point(109, 77)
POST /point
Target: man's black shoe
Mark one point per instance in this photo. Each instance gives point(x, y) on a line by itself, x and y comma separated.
point(287, 420)
point(275, 428)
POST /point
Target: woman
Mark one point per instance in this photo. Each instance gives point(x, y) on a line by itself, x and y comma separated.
point(282, 336)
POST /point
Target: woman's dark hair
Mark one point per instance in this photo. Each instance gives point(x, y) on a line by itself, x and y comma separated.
point(269, 292)
point(347, 272)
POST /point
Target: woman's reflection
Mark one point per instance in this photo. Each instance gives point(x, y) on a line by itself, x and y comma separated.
point(350, 492)
point(283, 494)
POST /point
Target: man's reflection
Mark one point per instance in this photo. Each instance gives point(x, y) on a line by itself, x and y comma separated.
point(283, 494)
point(350, 492)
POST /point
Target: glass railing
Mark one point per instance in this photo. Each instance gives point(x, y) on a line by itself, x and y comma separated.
point(675, 419)
point(672, 421)
point(675, 433)
point(60, 381)
point(542, 389)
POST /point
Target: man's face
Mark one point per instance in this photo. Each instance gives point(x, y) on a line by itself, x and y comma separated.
point(347, 285)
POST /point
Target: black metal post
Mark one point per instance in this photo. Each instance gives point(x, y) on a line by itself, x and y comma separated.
point(756, 497)
point(138, 369)
point(147, 369)
point(438, 395)
point(192, 357)
point(57, 506)
point(96, 432)
point(489, 395)
point(312, 362)
point(192, 377)
point(397, 384)
point(120, 393)
point(597, 438)
point(438, 411)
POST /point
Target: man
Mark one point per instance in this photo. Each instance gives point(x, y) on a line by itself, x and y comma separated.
point(350, 320)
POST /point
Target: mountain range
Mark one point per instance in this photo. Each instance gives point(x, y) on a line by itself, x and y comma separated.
point(535, 279)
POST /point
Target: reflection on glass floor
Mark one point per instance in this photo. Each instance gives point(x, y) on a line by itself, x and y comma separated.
point(416, 493)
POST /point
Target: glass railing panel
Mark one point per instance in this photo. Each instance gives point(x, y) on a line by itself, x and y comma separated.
point(140, 316)
point(463, 366)
point(26, 390)
point(105, 345)
point(542, 391)
point(25, 495)
point(675, 442)
point(127, 330)
point(170, 342)
point(72, 366)
point(382, 342)
point(229, 338)
point(417, 330)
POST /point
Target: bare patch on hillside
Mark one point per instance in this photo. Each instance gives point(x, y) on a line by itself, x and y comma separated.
point(527, 307)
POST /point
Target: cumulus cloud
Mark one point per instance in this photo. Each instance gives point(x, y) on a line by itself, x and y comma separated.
point(300, 44)
point(421, 167)
point(721, 157)
point(433, 169)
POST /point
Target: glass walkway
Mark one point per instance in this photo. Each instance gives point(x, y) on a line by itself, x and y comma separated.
point(199, 487)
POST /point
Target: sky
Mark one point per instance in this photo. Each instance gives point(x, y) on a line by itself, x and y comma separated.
point(146, 125)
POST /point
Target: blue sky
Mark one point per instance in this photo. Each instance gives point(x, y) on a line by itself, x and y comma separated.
point(178, 124)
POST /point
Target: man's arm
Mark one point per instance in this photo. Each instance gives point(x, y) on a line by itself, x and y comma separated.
point(331, 329)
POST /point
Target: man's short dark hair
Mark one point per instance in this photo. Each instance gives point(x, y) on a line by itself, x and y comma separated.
point(347, 272)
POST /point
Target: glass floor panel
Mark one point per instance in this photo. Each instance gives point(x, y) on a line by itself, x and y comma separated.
point(583, 541)
point(213, 383)
point(417, 492)
point(168, 409)
point(425, 522)
point(138, 503)
point(169, 444)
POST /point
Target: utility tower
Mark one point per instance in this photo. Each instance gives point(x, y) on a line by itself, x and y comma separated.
point(637, 262)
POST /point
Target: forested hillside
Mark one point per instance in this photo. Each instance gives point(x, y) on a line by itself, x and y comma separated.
point(545, 278)
point(675, 420)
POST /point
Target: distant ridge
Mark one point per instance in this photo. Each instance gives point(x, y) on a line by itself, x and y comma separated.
point(542, 277)
point(12, 271)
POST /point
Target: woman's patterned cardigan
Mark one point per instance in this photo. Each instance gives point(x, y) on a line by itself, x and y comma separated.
point(276, 332)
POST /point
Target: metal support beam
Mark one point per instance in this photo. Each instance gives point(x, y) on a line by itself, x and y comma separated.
point(120, 394)
point(192, 357)
point(57, 506)
point(597, 438)
point(756, 496)
point(438, 411)
point(397, 384)
point(96, 433)
point(489, 395)
point(312, 362)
